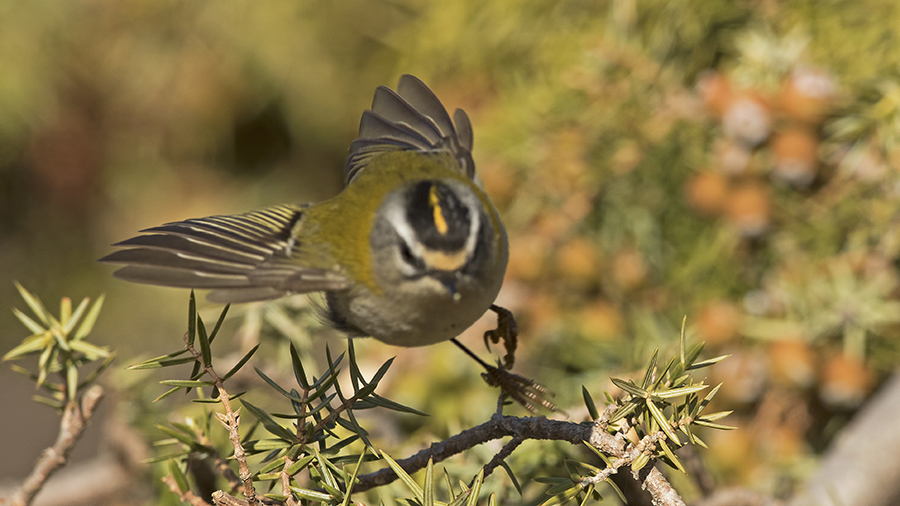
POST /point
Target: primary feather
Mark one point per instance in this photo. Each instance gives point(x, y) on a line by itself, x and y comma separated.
point(242, 257)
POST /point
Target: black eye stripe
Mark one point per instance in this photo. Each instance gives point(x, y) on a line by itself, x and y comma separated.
point(409, 257)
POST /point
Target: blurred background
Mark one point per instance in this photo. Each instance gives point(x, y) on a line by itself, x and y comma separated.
point(732, 162)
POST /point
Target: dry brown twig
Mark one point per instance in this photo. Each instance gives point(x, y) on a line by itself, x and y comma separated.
point(499, 426)
point(231, 421)
point(75, 419)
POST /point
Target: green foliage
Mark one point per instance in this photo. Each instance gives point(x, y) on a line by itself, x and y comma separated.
point(61, 346)
point(425, 495)
point(313, 449)
point(666, 401)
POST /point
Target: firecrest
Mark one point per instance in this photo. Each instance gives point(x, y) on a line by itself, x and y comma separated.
point(411, 252)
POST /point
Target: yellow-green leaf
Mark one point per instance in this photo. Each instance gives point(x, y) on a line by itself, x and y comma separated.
point(663, 423)
point(34, 303)
point(88, 324)
point(641, 461)
point(405, 477)
point(677, 463)
point(30, 344)
point(92, 351)
point(352, 480)
point(712, 417)
point(709, 362)
point(678, 392)
point(428, 499)
point(28, 322)
point(476, 489)
point(312, 495)
point(180, 478)
point(75, 316)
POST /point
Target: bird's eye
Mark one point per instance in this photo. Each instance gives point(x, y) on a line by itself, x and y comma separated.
point(407, 255)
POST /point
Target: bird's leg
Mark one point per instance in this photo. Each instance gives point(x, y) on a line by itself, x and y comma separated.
point(506, 330)
point(520, 389)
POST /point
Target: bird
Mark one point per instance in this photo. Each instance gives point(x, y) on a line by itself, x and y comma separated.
point(411, 252)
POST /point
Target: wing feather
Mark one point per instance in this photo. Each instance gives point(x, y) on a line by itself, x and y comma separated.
point(242, 257)
point(410, 119)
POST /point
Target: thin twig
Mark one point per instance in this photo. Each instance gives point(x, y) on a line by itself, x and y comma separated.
point(74, 420)
point(504, 452)
point(221, 498)
point(495, 428)
point(187, 496)
point(231, 420)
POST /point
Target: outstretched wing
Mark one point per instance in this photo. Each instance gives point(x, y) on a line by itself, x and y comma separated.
point(244, 257)
point(412, 118)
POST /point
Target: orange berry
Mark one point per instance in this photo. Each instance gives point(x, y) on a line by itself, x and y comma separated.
point(718, 322)
point(527, 257)
point(629, 270)
point(715, 91)
point(796, 156)
point(600, 321)
point(578, 260)
point(844, 382)
point(807, 95)
point(707, 192)
point(792, 361)
point(749, 209)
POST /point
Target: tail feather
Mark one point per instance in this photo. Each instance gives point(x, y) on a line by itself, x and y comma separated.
point(410, 119)
point(389, 104)
point(242, 257)
point(422, 99)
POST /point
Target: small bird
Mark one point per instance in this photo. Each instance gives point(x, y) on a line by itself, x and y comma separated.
point(411, 252)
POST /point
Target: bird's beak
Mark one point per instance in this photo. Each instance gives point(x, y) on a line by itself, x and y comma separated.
point(449, 280)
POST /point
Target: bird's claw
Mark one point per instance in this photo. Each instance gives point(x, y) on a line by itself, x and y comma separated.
point(506, 330)
point(518, 388)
